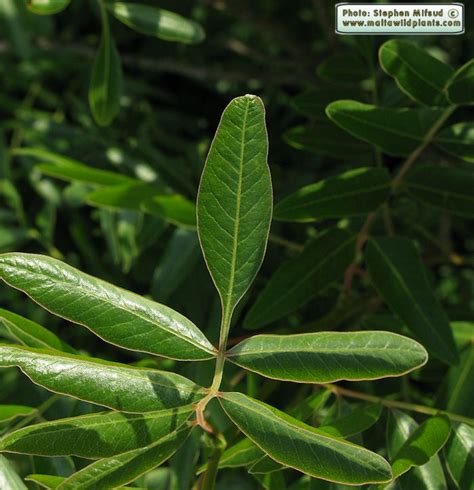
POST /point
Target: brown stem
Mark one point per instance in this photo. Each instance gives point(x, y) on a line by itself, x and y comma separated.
point(339, 390)
point(360, 242)
point(426, 141)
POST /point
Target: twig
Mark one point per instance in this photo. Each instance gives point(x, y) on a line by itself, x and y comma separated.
point(387, 218)
point(285, 243)
point(339, 390)
point(360, 242)
point(426, 141)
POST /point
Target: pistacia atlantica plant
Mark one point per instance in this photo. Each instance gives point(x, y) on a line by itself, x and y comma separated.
point(151, 413)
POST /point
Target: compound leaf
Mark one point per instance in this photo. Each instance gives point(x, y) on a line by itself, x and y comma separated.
point(397, 272)
point(325, 357)
point(123, 468)
point(156, 22)
point(117, 316)
point(97, 435)
point(461, 87)
point(418, 74)
point(300, 446)
point(447, 188)
point(397, 132)
point(352, 193)
point(296, 282)
point(109, 384)
point(235, 200)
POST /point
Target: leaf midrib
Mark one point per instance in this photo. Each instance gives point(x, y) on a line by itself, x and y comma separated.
point(318, 351)
point(236, 226)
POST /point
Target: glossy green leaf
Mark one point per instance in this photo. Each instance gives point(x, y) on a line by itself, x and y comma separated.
point(97, 435)
point(9, 479)
point(352, 193)
point(325, 357)
point(313, 102)
point(235, 200)
point(418, 74)
point(361, 418)
point(106, 80)
point(446, 188)
point(344, 67)
point(160, 23)
point(395, 131)
point(109, 384)
point(458, 140)
point(422, 445)
point(47, 7)
point(50, 482)
point(117, 316)
point(12, 412)
point(459, 453)
point(429, 476)
point(30, 333)
point(461, 87)
point(326, 139)
point(296, 282)
point(302, 447)
point(123, 468)
point(398, 274)
point(65, 168)
point(173, 208)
